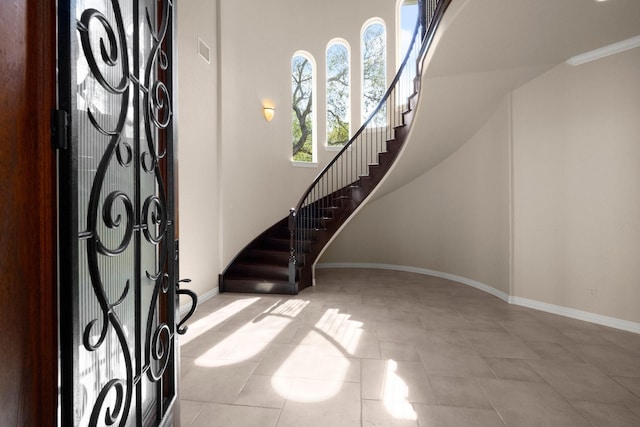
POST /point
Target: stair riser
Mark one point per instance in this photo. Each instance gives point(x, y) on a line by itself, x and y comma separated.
point(275, 244)
point(275, 272)
point(257, 286)
point(265, 257)
point(393, 147)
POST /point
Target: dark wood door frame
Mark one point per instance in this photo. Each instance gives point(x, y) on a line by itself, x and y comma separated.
point(28, 337)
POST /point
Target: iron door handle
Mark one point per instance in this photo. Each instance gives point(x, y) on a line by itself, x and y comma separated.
point(194, 304)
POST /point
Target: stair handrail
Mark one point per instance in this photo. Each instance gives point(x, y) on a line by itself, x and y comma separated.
point(365, 124)
point(433, 10)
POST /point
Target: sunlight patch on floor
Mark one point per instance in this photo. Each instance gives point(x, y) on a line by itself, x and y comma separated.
point(289, 308)
point(318, 372)
point(341, 328)
point(212, 320)
point(243, 344)
point(395, 394)
point(320, 363)
point(253, 337)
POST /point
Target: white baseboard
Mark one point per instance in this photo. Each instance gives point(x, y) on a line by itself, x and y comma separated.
point(599, 319)
point(586, 316)
point(473, 283)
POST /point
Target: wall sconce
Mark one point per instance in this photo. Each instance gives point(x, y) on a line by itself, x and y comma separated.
point(268, 113)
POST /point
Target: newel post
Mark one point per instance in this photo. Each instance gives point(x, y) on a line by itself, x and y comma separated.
point(292, 251)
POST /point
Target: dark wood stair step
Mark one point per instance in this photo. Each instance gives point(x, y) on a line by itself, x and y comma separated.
point(400, 132)
point(376, 172)
point(257, 285)
point(393, 146)
point(274, 243)
point(267, 271)
point(329, 209)
point(265, 256)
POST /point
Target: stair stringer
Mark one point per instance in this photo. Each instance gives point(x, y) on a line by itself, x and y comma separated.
point(269, 277)
point(408, 131)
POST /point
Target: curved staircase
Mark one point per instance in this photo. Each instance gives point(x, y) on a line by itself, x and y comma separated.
point(280, 260)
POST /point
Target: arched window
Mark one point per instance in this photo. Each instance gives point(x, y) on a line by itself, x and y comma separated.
point(406, 19)
point(302, 87)
point(374, 74)
point(338, 94)
point(408, 11)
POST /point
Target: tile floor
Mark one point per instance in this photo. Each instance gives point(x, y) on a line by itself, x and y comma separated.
point(384, 348)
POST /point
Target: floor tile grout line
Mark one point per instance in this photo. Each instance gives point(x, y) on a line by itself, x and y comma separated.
point(198, 413)
point(492, 404)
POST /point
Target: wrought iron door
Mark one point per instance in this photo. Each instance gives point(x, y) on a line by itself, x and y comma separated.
point(118, 253)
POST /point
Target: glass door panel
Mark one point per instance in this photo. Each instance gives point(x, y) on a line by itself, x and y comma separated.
point(116, 213)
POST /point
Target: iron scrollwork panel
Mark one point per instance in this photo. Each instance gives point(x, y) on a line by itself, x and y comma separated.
point(123, 297)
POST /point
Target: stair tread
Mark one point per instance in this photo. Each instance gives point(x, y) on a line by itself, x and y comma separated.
point(253, 286)
point(261, 267)
point(258, 263)
point(259, 278)
point(269, 251)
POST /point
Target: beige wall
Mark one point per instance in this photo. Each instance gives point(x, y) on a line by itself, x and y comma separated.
point(576, 133)
point(575, 209)
point(575, 223)
point(231, 159)
point(452, 219)
point(257, 41)
point(198, 150)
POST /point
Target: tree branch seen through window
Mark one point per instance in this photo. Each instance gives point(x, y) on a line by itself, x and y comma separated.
point(373, 71)
point(302, 101)
point(337, 94)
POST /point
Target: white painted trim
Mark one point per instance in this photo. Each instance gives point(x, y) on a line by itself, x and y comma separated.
point(334, 147)
point(599, 319)
point(473, 283)
point(512, 193)
point(586, 316)
point(605, 51)
point(304, 164)
point(201, 298)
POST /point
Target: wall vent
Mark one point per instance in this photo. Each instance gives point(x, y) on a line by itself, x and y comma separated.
point(203, 50)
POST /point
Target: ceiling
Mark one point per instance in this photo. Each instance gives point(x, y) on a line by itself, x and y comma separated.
point(491, 35)
point(487, 48)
